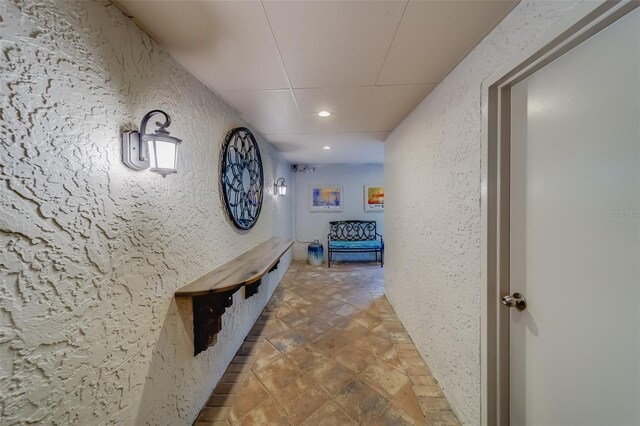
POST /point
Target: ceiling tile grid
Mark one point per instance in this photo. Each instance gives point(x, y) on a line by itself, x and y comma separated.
point(279, 63)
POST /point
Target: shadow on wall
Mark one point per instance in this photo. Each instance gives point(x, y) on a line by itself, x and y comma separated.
point(174, 391)
point(92, 252)
point(170, 347)
point(173, 349)
point(79, 238)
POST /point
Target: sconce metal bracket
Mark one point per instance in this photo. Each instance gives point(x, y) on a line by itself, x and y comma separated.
point(135, 153)
point(207, 317)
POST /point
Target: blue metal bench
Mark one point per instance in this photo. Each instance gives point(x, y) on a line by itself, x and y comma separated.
point(355, 236)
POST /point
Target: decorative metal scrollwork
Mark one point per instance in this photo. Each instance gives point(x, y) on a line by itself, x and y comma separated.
point(241, 177)
point(353, 230)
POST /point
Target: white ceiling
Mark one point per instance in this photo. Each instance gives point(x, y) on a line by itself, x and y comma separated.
point(279, 63)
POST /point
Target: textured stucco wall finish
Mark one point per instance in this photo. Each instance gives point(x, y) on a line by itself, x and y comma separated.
point(432, 213)
point(92, 252)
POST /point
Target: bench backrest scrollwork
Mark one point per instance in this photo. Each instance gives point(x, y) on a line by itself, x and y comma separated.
point(352, 230)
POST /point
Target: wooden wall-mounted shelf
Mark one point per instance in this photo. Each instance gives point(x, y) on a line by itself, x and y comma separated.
point(212, 293)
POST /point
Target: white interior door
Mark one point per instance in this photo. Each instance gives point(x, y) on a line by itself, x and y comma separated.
point(575, 235)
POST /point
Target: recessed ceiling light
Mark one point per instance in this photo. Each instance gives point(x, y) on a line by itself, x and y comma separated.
point(324, 113)
point(327, 147)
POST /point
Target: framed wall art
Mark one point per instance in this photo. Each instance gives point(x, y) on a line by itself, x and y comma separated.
point(373, 198)
point(326, 198)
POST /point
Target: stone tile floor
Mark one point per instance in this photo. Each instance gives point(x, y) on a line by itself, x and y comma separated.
point(328, 349)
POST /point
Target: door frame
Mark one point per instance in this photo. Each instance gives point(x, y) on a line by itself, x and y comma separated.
point(583, 21)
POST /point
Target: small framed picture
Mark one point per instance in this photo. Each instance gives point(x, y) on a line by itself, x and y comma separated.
point(373, 198)
point(326, 198)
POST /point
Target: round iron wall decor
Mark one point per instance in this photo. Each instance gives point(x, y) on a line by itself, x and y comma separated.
point(241, 178)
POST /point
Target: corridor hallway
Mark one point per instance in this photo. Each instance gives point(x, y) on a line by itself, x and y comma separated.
point(328, 349)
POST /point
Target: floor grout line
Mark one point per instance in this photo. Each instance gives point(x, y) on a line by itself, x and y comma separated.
point(367, 308)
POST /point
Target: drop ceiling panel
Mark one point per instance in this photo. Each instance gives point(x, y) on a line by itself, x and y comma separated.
point(270, 111)
point(347, 106)
point(367, 147)
point(389, 105)
point(226, 44)
point(279, 63)
point(333, 43)
point(434, 36)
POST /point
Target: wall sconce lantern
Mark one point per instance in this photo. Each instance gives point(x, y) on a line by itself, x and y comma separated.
point(158, 150)
point(280, 187)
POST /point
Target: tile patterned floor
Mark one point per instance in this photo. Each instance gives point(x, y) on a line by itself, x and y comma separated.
point(328, 349)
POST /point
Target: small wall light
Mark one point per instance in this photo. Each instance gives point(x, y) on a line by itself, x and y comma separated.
point(158, 150)
point(280, 187)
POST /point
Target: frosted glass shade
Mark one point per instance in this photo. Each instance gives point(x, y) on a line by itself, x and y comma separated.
point(280, 187)
point(163, 154)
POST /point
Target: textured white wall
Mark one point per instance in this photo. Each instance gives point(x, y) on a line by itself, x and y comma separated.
point(315, 226)
point(92, 252)
point(432, 178)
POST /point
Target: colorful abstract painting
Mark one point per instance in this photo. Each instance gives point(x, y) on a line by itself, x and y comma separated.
point(373, 198)
point(326, 198)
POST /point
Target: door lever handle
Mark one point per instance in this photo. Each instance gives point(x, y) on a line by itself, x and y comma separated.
point(516, 300)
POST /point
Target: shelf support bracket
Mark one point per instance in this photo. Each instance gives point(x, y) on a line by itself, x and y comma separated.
point(251, 289)
point(207, 318)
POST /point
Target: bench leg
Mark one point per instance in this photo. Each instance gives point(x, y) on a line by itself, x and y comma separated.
point(329, 257)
